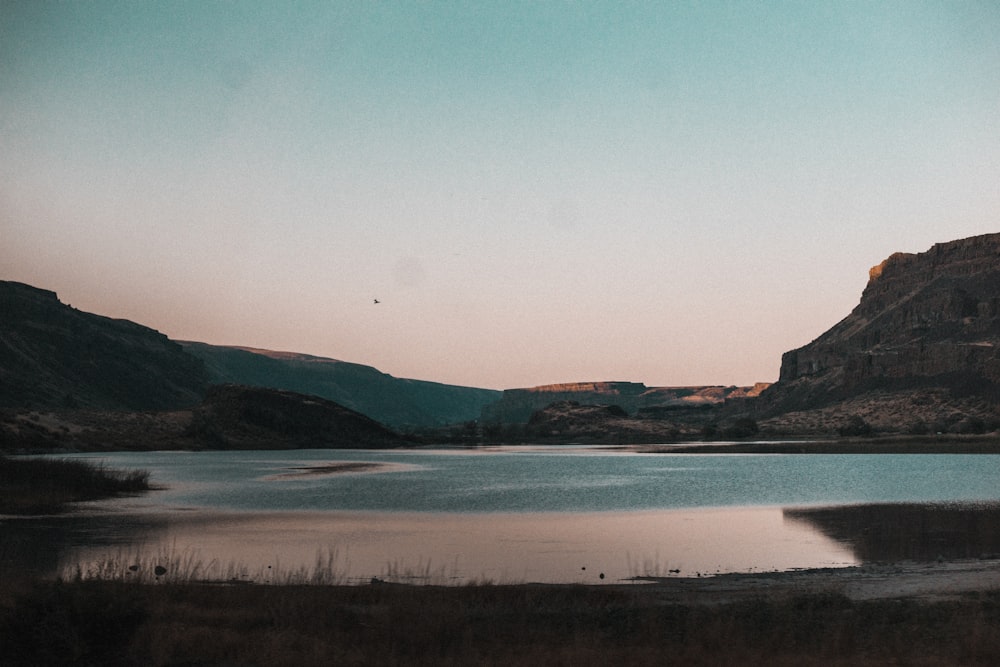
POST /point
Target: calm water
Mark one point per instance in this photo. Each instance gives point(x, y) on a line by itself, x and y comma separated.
point(555, 480)
point(540, 514)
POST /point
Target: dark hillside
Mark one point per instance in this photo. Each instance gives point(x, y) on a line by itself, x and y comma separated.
point(238, 417)
point(230, 417)
point(54, 356)
point(393, 401)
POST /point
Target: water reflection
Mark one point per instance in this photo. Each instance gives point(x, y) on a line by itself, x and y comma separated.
point(39, 546)
point(919, 532)
point(543, 515)
point(438, 547)
point(544, 547)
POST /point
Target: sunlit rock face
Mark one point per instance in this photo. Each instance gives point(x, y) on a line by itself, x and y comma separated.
point(927, 320)
point(516, 406)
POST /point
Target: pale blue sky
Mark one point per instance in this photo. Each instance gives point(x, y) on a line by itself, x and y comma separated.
point(671, 193)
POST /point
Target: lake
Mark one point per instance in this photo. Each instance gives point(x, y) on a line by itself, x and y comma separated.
point(513, 514)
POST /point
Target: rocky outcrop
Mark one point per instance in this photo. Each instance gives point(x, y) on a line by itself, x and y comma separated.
point(570, 422)
point(54, 356)
point(516, 406)
point(927, 321)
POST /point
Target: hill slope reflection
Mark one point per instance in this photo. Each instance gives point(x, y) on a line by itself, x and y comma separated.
point(918, 532)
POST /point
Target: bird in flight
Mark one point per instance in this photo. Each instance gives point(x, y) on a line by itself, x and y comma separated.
point(377, 301)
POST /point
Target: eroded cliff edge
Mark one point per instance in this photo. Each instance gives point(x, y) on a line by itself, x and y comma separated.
point(920, 352)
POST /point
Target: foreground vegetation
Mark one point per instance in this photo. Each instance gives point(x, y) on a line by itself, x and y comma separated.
point(116, 623)
point(41, 486)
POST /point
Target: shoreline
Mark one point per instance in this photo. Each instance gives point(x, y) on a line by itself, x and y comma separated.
point(941, 614)
point(889, 445)
point(927, 581)
point(63, 442)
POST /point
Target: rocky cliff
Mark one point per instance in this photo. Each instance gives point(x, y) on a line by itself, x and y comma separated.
point(925, 322)
point(517, 406)
point(52, 355)
point(570, 421)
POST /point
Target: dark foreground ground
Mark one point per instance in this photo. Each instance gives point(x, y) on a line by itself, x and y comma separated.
point(929, 614)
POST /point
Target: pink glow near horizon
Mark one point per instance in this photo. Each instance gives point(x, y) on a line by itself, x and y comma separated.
point(536, 194)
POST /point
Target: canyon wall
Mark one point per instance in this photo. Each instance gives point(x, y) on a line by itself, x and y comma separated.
point(516, 406)
point(924, 320)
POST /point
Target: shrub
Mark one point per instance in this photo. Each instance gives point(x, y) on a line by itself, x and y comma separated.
point(744, 427)
point(970, 426)
point(855, 427)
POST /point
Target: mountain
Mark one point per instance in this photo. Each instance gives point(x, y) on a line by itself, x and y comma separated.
point(920, 352)
point(396, 402)
point(54, 356)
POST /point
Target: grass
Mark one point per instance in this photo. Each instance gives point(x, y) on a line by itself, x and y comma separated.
point(126, 611)
point(186, 567)
point(118, 623)
point(329, 568)
point(45, 485)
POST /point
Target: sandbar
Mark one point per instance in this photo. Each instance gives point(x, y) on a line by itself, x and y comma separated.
point(338, 468)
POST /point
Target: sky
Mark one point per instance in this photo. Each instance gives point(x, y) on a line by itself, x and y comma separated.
point(672, 193)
